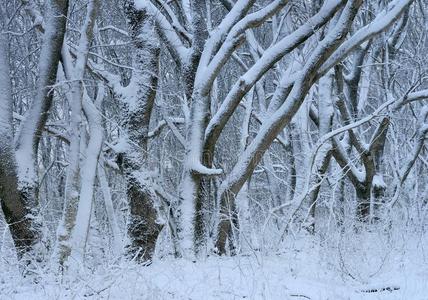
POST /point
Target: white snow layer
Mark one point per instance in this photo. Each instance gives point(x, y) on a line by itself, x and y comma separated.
point(361, 267)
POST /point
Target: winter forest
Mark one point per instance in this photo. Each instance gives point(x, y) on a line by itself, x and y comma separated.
point(214, 149)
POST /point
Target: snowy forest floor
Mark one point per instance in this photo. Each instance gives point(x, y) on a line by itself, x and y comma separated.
point(365, 266)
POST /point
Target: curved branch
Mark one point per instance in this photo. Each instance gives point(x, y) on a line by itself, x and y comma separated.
point(271, 56)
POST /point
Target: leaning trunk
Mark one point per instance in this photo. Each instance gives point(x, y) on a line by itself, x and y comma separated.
point(14, 205)
point(75, 73)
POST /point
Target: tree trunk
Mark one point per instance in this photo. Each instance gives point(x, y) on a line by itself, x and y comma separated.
point(108, 203)
point(144, 226)
point(31, 128)
point(228, 217)
point(313, 195)
point(14, 204)
point(75, 73)
point(326, 112)
point(79, 234)
point(363, 203)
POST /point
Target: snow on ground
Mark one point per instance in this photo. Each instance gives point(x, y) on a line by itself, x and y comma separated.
point(304, 271)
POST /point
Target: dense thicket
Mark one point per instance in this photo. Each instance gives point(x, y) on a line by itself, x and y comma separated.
point(195, 127)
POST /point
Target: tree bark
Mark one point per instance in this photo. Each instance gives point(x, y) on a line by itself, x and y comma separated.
point(15, 208)
point(144, 226)
point(19, 180)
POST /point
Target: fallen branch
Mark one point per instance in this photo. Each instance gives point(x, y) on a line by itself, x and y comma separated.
point(300, 296)
point(380, 289)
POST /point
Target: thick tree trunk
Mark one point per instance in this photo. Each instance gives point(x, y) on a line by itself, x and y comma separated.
point(14, 204)
point(23, 228)
point(31, 128)
point(196, 187)
point(144, 226)
point(20, 171)
point(203, 198)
